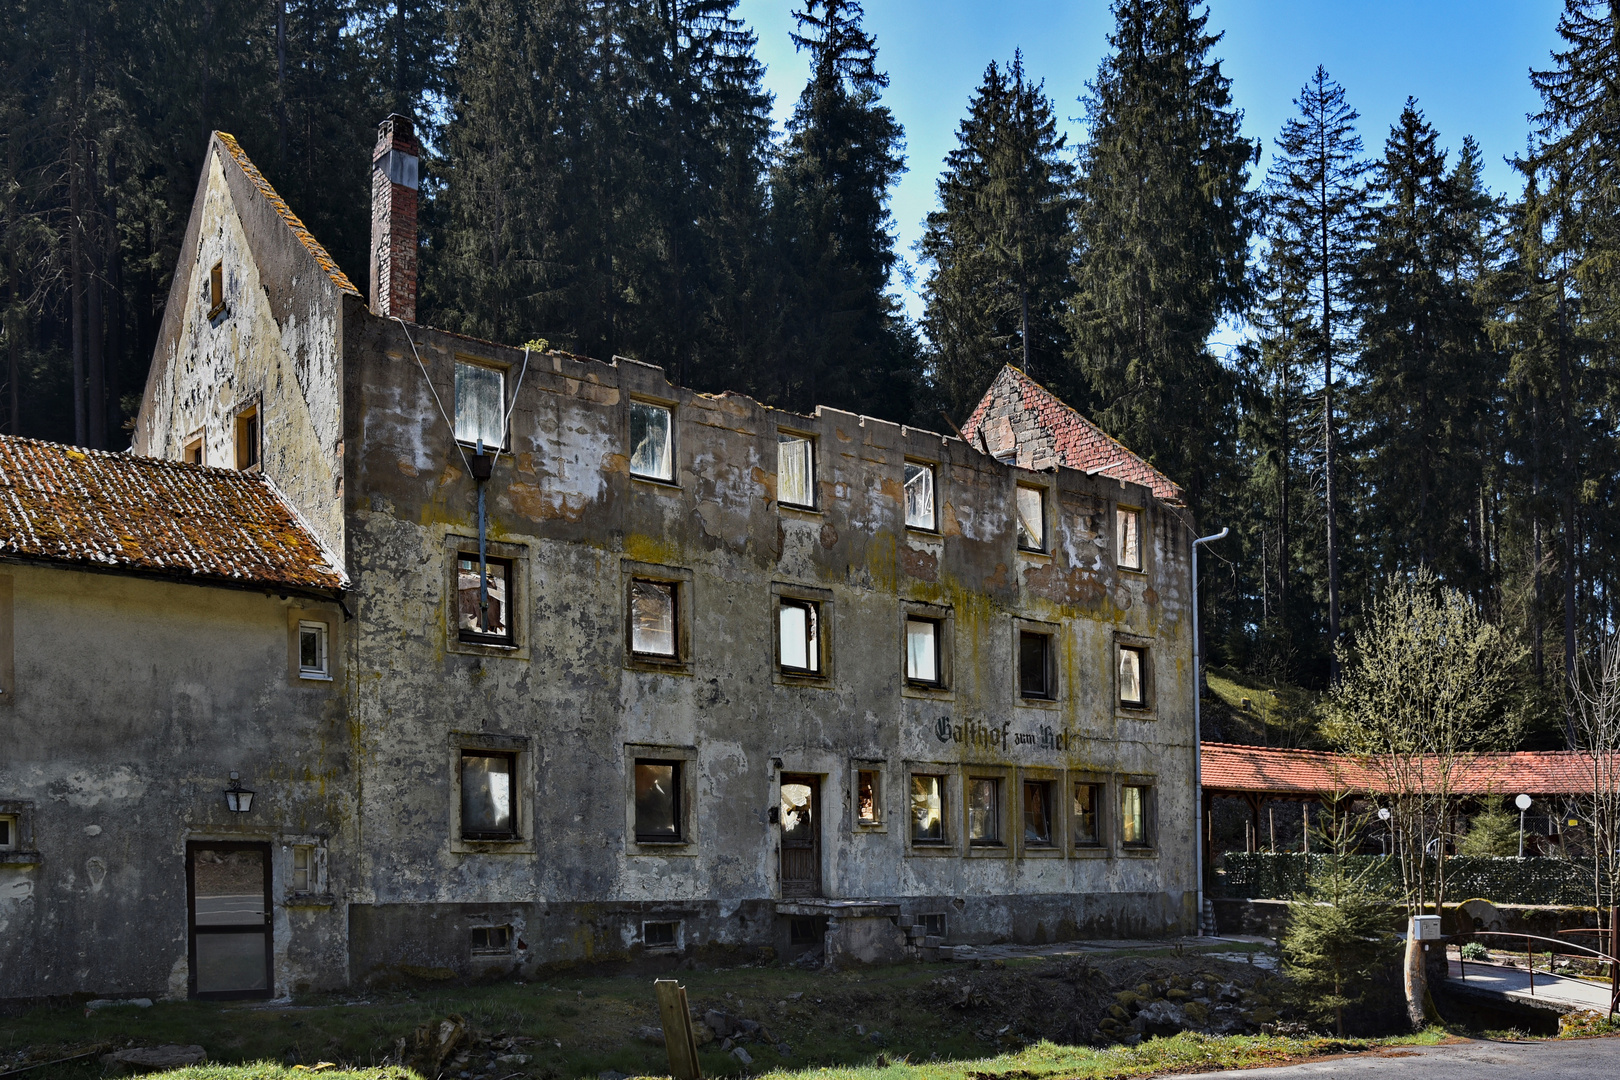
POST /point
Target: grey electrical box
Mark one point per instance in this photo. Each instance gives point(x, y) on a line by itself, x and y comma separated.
point(1426, 927)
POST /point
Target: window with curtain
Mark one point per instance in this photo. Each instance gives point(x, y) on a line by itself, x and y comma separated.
point(795, 470)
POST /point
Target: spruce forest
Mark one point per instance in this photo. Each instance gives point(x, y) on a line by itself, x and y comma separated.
point(1428, 373)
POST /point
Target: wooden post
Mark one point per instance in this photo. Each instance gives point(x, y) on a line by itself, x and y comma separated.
point(678, 1038)
point(1271, 816)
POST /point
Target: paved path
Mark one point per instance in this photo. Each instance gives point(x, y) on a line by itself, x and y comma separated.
point(1514, 983)
point(1554, 1059)
point(1208, 945)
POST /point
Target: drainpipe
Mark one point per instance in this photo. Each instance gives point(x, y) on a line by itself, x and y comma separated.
point(1198, 735)
point(482, 465)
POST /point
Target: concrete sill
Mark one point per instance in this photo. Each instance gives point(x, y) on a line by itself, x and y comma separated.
point(21, 858)
point(310, 900)
point(1139, 853)
point(1092, 852)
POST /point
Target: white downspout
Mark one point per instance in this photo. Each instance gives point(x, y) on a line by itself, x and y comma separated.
point(1198, 737)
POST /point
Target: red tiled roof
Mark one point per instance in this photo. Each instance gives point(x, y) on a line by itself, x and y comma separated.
point(1257, 769)
point(118, 511)
point(1076, 442)
point(305, 237)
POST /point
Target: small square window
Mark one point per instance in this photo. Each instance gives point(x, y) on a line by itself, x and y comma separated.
point(868, 797)
point(303, 868)
point(483, 607)
point(216, 289)
point(660, 935)
point(919, 496)
point(1035, 665)
point(652, 619)
point(934, 924)
point(922, 651)
point(312, 653)
point(795, 471)
point(1134, 823)
point(247, 439)
point(1128, 525)
point(1132, 662)
point(491, 940)
point(8, 832)
point(480, 405)
point(1038, 813)
point(193, 454)
point(799, 636)
point(487, 790)
point(927, 809)
point(652, 454)
point(1087, 803)
point(984, 810)
point(658, 801)
point(1031, 518)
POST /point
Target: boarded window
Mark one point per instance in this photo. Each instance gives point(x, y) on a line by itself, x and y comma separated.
point(487, 796)
point(312, 659)
point(1133, 816)
point(799, 635)
point(927, 809)
point(868, 796)
point(795, 470)
point(1087, 801)
point(480, 405)
point(652, 454)
point(984, 810)
point(922, 651)
point(1035, 665)
point(658, 801)
point(1128, 524)
point(652, 618)
point(919, 496)
point(1130, 676)
point(1038, 813)
point(484, 613)
point(1031, 518)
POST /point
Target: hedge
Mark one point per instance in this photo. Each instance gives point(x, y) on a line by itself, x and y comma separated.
point(1281, 876)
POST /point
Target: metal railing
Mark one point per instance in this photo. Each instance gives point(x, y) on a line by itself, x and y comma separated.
point(1530, 959)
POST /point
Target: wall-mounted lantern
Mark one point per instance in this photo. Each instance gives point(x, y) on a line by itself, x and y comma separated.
point(238, 798)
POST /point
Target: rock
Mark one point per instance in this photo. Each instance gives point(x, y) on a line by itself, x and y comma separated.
point(1118, 1013)
point(722, 1024)
point(1225, 1020)
point(784, 1049)
point(702, 1033)
point(112, 1003)
point(1197, 1012)
point(651, 1035)
point(1159, 1018)
point(742, 1055)
point(512, 1059)
point(1126, 998)
point(154, 1058)
point(1177, 995)
point(796, 995)
point(747, 1027)
point(1265, 1014)
point(1229, 991)
point(1144, 989)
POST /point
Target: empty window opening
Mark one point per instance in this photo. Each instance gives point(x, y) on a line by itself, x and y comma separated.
point(651, 455)
point(312, 651)
point(868, 796)
point(933, 924)
point(660, 935)
point(487, 791)
point(658, 801)
point(216, 289)
point(1031, 518)
point(1087, 801)
point(1038, 813)
point(1035, 665)
point(491, 940)
point(1130, 676)
point(922, 651)
point(927, 809)
point(984, 810)
point(480, 405)
point(1133, 816)
point(303, 868)
point(247, 439)
point(1128, 524)
point(807, 929)
point(483, 615)
point(796, 471)
point(8, 832)
point(919, 496)
point(800, 636)
point(652, 619)
point(194, 451)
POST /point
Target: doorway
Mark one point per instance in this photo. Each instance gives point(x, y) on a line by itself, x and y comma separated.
point(228, 907)
point(801, 834)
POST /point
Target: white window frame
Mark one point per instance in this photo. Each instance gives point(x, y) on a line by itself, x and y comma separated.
point(787, 438)
point(930, 470)
point(323, 632)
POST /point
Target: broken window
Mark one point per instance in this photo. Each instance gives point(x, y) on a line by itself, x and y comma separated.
point(984, 810)
point(312, 658)
point(483, 613)
point(652, 618)
point(1038, 813)
point(660, 935)
point(491, 940)
point(303, 868)
point(480, 405)
point(922, 651)
point(1133, 816)
point(1131, 663)
point(1035, 665)
point(795, 470)
point(1087, 801)
point(1128, 524)
point(216, 289)
point(651, 454)
point(658, 801)
point(868, 796)
point(247, 438)
point(919, 496)
point(799, 635)
point(487, 791)
point(927, 809)
point(1031, 518)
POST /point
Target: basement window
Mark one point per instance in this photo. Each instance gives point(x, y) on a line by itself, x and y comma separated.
point(487, 786)
point(652, 455)
point(1128, 524)
point(1038, 813)
point(1031, 518)
point(491, 940)
point(480, 405)
point(487, 624)
point(799, 636)
point(919, 496)
point(247, 438)
point(216, 289)
point(984, 811)
point(313, 662)
point(934, 924)
point(658, 801)
point(660, 935)
point(652, 619)
point(795, 471)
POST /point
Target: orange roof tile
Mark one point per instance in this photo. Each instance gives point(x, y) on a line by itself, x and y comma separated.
point(117, 511)
point(307, 238)
point(1257, 769)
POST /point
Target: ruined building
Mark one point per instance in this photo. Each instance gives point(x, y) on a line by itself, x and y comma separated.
point(391, 653)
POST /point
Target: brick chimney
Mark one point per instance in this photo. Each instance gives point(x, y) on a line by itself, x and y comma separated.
point(393, 218)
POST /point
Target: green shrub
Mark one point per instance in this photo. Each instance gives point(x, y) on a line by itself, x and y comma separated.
point(1473, 950)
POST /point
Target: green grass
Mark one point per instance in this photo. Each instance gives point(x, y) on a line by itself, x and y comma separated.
point(1278, 714)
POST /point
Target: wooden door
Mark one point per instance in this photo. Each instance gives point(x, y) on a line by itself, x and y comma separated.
point(228, 887)
point(801, 835)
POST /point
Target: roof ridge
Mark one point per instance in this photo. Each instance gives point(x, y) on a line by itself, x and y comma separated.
point(322, 258)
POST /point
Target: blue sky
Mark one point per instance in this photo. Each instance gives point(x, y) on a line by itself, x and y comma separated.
point(1467, 63)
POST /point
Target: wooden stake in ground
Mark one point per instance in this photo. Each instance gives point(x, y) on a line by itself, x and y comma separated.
point(678, 1039)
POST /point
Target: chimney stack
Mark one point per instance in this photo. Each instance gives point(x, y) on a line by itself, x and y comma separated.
point(393, 218)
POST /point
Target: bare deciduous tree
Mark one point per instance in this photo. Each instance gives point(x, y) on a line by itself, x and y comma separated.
point(1596, 729)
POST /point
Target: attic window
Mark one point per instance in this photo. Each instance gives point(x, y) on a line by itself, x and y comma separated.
point(1129, 527)
point(1031, 507)
point(651, 456)
point(480, 399)
point(247, 438)
point(796, 471)
point(216, 289)
point(193, 454)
